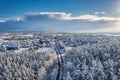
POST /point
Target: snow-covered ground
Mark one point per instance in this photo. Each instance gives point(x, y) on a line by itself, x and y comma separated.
point(26, 50)
point(68, 48)
point(86, 57)
point(45, 49)
point(21, 50)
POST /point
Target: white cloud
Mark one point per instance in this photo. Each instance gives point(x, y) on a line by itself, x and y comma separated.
point(65, 16)
point(60, 21)
point(58, 15)
point(54, 15)
point(96, 13)
point(18, 19)
point(68, 16)
point(100, 12)
point(103, 12)
point(97, 18)
point(2, 21)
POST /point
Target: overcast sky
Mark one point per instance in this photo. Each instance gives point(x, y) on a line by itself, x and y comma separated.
point(60, 15)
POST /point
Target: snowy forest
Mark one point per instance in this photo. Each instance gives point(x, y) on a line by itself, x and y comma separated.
point(32, 66)
point(99, 62)
point(95, 58)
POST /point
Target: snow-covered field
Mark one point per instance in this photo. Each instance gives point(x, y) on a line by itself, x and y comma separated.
point(45, 49)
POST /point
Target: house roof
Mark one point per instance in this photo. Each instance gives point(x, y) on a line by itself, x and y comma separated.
point(12, 45)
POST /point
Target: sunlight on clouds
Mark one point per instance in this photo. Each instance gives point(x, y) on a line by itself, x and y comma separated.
point(118, 6)
point(116, 9)
point(116, 26)
point(113, 27)
point(43, 21)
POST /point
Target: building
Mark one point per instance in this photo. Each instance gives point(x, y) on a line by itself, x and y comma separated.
point(13, 46)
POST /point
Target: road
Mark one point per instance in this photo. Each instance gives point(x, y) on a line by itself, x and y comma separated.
point(60, 59)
